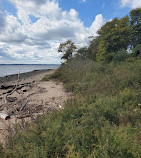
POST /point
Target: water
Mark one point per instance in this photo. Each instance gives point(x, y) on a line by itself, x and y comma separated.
point(15, 69)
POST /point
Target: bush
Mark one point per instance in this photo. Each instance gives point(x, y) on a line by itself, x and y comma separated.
point(1, 150)
point(120, 55)
point(137, 50)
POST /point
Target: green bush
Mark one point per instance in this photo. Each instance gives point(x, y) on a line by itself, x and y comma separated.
point(1, 151)
point(137, 50)
point(120, 55)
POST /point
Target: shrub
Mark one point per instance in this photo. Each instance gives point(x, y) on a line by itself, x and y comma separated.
point(120, 55)
point(137, 50)
point(1, 150)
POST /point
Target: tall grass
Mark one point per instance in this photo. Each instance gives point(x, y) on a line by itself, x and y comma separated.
point(103, 120)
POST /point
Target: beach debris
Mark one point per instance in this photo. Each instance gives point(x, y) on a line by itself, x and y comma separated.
point(22, 107)
point(4, 116)
point(15, 88)
point(59, 106)
point(6, 87)
point(25, 101)
point(8, 107)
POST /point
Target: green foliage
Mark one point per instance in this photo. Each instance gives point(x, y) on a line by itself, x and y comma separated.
point(102, 120)
point(114, 36)
point(120, 55)
point(83, 53)
point(67, 49)
point(93, 47)
point(95, 77)
point(1, 151)
point(137, 50)
point(135, 21)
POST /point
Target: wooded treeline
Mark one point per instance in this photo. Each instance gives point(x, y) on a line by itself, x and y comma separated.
point(116, 39)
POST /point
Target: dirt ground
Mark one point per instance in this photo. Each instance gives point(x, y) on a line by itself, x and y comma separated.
point(33, 100)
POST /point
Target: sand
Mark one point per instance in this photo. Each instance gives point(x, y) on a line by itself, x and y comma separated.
point(40, 97)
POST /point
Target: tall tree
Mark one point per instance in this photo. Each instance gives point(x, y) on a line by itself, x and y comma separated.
point(67, 48)
point(93, 47)
point(114, 35)
point(135, 21)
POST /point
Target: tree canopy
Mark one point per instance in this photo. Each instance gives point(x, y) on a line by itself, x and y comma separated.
point(116, 35)
point(67, 48)
point(114, 38)
point(135, 21)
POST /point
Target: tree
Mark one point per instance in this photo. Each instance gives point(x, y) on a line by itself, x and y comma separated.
point(137, 51)
point(93, 47)
point(114, 35)
point(135, 21)
point(67, 48)
point(83, 52)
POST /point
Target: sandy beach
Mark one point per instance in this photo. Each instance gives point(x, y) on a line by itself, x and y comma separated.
point(32, 100)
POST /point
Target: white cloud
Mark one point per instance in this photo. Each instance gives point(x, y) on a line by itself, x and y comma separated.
point(2, 18)
point(96, 25)
point(24, 41)
point(83, 1)
point(131, 3)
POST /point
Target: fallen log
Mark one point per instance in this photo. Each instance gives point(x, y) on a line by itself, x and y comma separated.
point(4, 87)
point(9, 91)
point(23, 106)
point(15, 88)
point(24, 116)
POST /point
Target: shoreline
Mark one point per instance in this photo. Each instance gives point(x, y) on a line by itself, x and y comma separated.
point(23, 76)
point(31, 101)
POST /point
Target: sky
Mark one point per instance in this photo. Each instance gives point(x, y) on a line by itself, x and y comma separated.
point(31, 30)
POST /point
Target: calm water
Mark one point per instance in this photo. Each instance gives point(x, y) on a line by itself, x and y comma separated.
point(15, 69)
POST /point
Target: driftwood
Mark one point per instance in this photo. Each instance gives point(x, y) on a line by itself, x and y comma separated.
point(11, 105)
point(14, 88)
point(17, 87)
point(23, 106)
point(4, 87)
point(4, 96)
point(24, 116)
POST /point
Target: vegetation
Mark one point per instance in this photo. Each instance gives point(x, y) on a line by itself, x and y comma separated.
point(104, 117)
point(67, 48)
point(135, 22)
point(114, 36)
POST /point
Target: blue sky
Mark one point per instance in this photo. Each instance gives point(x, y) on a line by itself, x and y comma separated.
point(31, 30)
point(89, 9)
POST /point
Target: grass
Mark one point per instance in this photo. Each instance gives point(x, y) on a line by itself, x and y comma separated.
point(103, 120)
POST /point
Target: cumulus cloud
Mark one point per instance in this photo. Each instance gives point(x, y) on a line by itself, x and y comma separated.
point(96, 25)
point(36, 41)
point(131, 3)
point(2, 19)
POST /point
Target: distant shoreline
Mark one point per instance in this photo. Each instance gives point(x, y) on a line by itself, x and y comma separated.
point(11, 69)
point(23, 76)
